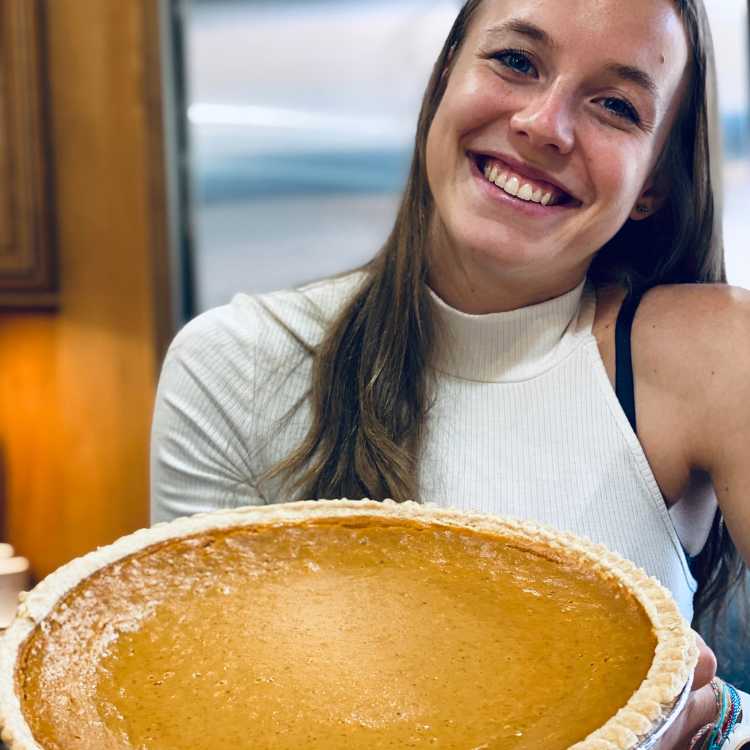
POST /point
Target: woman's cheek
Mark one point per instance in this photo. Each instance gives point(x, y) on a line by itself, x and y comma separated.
point(611, 172)
point(481, 101)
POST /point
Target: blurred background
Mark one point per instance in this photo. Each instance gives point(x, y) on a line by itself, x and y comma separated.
point(314, 124)
point(159, 156)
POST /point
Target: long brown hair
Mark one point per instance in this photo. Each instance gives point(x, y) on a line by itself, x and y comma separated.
point(370, 391)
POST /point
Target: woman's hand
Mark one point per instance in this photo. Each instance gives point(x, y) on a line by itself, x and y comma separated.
point(700, 708)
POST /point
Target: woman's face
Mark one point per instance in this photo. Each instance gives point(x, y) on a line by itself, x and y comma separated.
point(566, 104)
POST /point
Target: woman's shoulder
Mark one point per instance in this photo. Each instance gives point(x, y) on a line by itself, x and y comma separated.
point(690, 342)
point(681, 317)
point(273, 320)
point(691, 354)
point(695, 325)
point(701, 304)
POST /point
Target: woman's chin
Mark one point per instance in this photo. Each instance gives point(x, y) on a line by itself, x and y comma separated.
point(481, 245)
point(505, 252)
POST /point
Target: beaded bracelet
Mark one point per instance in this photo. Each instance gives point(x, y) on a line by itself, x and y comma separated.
point(728, 711)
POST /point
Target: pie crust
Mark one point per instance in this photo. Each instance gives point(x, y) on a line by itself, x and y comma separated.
point(674, 658)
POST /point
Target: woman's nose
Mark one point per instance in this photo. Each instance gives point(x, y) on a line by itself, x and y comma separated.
point(546, 121)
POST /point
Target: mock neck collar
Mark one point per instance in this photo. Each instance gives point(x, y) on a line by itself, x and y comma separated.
point(509, 346)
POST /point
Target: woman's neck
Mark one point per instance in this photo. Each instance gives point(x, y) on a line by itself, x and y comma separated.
point(478, 292)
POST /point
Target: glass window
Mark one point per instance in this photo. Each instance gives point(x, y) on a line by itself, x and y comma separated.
point(302, 118)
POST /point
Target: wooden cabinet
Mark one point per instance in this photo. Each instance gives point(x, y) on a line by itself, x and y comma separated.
point(27, 265)
point(77, 383)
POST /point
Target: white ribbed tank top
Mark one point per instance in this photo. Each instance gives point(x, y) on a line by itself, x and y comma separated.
point(524, 422)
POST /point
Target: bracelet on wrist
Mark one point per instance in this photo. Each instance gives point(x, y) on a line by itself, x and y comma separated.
point(728, 713)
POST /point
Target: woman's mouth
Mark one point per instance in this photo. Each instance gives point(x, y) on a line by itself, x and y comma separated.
point(521, 187)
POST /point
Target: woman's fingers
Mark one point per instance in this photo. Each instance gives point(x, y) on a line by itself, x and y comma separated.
point(705, 670)
point(700, 708)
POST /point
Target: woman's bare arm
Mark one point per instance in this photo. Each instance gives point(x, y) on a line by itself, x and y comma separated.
point(723, 447)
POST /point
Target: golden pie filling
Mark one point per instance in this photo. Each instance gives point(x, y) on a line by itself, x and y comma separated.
point(337, 633)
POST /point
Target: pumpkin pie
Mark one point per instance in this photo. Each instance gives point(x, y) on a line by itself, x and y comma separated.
point(344, 624)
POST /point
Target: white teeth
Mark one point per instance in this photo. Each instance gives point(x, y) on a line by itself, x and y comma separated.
point(512, 186)
point(501, 179)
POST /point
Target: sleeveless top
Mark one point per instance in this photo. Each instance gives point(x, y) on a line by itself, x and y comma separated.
point(523, 420)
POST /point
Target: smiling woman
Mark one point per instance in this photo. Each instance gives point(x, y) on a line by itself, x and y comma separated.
point(546, 332)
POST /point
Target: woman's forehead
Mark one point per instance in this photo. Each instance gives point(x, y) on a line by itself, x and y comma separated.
point(644, 34)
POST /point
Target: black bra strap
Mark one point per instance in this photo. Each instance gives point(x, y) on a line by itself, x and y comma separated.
point(624, 387)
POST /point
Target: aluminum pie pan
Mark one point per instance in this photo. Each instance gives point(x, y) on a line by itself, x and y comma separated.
point(662, 725)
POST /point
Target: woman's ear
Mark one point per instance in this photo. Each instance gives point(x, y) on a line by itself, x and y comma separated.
point(650, 200)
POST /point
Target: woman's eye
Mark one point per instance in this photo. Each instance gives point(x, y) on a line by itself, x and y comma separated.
point(621, 108)
point(517, 61)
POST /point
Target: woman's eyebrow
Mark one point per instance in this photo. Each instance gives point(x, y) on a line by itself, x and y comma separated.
point(524, 28)
point(634, 75)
